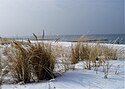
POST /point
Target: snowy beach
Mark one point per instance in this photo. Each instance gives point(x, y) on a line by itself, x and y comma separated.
point(81, 78)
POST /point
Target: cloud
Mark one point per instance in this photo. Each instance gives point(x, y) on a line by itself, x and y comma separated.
point(24, 17)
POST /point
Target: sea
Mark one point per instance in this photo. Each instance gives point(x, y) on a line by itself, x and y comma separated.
point(107, 38)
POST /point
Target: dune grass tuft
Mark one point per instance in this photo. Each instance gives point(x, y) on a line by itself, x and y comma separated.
point(34, 60)
point(88, 53)
point(75, 52)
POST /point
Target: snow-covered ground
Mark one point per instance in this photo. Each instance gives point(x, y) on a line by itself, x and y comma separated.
point(81, 78)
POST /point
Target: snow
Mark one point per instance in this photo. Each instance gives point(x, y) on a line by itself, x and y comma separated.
point(81, 78)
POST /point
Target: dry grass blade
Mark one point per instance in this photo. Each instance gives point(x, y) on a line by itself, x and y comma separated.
point(35, 36)
point(43, 34)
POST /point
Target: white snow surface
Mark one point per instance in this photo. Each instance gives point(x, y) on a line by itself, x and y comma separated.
point(81, 79)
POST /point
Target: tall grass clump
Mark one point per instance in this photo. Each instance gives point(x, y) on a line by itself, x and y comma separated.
point(110, 53)
point(85, 55)
point(31, 61)
point(88, 54)
point(79, 50)
point(18, 57)
point(42, 60)
point(91, 53)
point(75, 52)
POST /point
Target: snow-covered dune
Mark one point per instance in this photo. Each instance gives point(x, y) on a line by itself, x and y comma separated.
point(81, 78)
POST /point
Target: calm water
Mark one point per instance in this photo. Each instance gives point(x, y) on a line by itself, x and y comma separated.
point(110, 38)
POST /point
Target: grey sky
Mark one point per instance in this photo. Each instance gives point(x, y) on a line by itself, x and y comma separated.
point(24, 17)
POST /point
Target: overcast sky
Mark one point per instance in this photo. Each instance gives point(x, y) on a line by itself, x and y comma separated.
point(24, 17)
